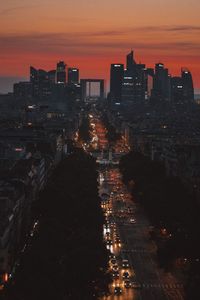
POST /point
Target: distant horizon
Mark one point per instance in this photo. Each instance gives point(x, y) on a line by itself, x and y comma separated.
point(6, 83)
point(93, 34)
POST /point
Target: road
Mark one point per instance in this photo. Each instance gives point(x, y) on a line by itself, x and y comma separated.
point(132, 227)
point(127, 229)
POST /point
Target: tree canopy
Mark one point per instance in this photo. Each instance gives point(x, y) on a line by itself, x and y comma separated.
point(67, 258)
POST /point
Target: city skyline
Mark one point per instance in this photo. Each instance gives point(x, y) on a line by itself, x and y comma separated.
point(10, 81)
point(93, 36)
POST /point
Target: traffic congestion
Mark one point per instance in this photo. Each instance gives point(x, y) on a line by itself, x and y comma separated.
point(132, 262)
point(116, 211)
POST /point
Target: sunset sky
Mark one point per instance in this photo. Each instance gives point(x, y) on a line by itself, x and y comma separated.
point(93, 34)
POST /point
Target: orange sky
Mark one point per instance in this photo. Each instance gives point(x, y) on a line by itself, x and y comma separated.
point(92, 34)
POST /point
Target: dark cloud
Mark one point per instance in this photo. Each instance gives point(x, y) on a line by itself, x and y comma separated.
point(183, 28)
point(166, 28)
point(10, 10)
point(147, 29)
point(84, 43)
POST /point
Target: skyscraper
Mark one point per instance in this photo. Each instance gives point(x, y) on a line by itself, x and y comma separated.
point(52, 76)
point(139, 82)
point(177, 90)
point(130, 62)
point(33, 74)
point(134, 84)
point(61, 72)
point(188, 88)
point(23, 90)
point(128, 88)
point(182, 88)
point(116, 78)
point(162, 87)
point(73, 75)
point(41, 82)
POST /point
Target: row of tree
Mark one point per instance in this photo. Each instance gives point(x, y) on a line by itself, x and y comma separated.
point(173, 212)
point(67, 258)
point(112, 135)
point(85, 130)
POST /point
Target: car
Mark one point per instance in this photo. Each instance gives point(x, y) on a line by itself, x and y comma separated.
point(115, 274)
point(136, 285)
point(112, 256)
point(113, 261)
point(117, 240)
point(117, 290)
point(115, 268)
point(112, 224)
point(132, 221)
point(125, 264)
point(127, 284)
point(125, 275)
point(109, 242)
point(107, 235)
point(107, 225)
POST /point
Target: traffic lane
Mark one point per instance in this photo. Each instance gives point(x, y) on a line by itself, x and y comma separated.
point(129, 294)
point(147, 292)
point(175, 294)
point(153, 294)
point(147, 269)
point(137, 251)
point(144, 270)
point(150, 277)
point(143, 273)
point(152, 262)
point(149, 256)
point(140, 252)
point(133, 239)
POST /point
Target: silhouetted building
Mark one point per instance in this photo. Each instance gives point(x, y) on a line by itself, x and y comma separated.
point(61, 72)
point(116, 79)
point(177, 90)
point(41, 85)
point(134, 81)
point(188, 88)
point(182, 88)
point(52, 76)
point(130, 62)
point(162, 86)
point(73, 76)
point(12, 199)
point(127, 87)
point(22, 90)
point(139, 82)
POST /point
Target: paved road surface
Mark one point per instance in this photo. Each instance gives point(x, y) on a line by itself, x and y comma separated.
point(132, 227)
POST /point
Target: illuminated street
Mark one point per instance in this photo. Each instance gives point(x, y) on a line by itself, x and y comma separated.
point(100, 150)
point(126, 234)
